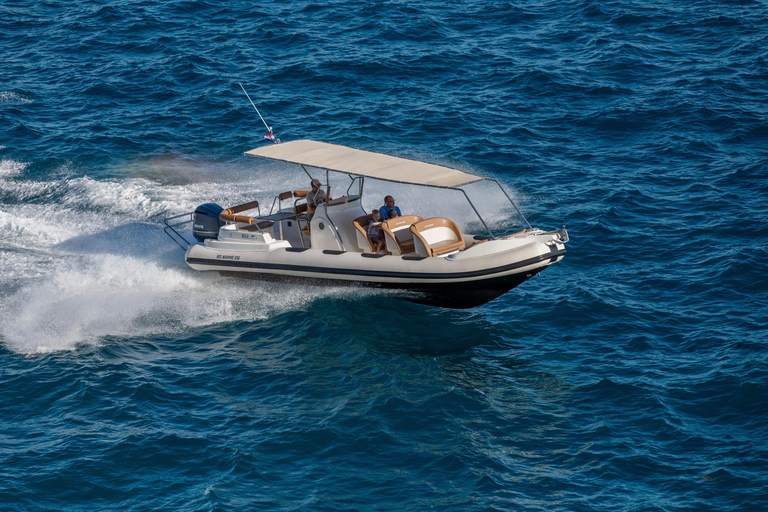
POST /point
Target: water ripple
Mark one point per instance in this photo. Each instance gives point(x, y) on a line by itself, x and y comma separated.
point(628, 376)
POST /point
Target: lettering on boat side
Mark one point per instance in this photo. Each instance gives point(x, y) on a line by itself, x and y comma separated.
point(227, 257)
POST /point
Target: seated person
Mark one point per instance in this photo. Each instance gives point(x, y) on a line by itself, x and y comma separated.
point(393, 213)
point(389, 204)
point(315, 197)
point(374, 231)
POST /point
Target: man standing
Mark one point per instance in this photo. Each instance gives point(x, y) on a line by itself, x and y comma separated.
point(389, 204)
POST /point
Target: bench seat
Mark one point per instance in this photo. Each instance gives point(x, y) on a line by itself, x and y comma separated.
point(437, 236)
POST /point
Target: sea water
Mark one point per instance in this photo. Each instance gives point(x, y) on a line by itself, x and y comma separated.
point(629, 376)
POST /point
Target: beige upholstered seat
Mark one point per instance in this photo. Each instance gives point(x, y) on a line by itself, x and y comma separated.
point(361, 226)
point(228, 215)
point(299, 195)
point(397, 236)
point(437, 236)
point(283, 196)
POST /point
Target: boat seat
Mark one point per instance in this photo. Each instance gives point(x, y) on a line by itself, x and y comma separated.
point(302, 217)
point(437, 236)
point(286, 195)
point(299, 195)
point(397, 236)
point(230, 212)
point(361, 226)
point(302, 207)
point(292, 193)
point(228, 215)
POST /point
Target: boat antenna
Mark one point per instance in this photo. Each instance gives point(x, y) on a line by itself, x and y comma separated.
point(269, 136)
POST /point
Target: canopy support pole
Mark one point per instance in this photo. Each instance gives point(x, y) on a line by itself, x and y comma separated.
point(513, 203)
point(306, 171)
point(477, 213)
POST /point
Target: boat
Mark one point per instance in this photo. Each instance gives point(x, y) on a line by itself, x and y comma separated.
point(426, 260)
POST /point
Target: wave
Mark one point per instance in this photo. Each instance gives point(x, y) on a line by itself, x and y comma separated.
point(10, 168)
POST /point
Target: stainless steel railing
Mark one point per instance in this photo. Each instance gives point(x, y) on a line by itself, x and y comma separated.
point(171, 223)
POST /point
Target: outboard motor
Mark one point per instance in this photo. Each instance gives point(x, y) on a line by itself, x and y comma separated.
point(206, 221)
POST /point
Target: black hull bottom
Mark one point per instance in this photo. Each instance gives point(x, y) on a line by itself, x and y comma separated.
point(444, 295)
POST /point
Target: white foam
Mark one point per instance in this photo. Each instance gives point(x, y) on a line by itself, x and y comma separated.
point(10, 168)
point(33, 226)
point(13, 97)
point(51, 212)
point(91, 298)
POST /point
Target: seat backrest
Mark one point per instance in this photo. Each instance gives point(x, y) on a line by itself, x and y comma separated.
point(243, 207)
point(287, 195)
point(228, 215)
point(300, 204)
point(361, 225)
point(397, 235)
point(292, 193)
point(437, 236)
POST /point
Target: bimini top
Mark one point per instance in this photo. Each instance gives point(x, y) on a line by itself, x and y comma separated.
point(333, 157)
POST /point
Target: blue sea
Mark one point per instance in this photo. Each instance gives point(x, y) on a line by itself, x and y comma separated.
point(630, 376)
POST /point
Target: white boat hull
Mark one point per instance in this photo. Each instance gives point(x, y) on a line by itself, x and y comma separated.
point(466, 279)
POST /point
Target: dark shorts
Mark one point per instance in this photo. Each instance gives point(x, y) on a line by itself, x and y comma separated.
point(376, 239)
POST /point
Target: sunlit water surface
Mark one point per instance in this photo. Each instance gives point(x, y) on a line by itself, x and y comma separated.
point(630, 376)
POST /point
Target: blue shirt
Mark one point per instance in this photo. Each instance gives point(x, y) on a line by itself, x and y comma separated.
point(384, 211)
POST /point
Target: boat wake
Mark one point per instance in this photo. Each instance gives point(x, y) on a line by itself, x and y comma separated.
point(86, 260)
point(89, 298)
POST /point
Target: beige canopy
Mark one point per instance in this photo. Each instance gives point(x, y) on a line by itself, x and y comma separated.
point(333, 157)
